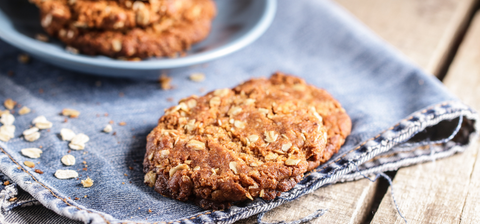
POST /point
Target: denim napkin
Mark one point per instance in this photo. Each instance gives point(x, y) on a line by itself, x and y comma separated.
point(401, 116)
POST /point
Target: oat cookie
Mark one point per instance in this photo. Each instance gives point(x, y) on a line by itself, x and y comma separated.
point(116, 15)
point(255, 140)
point(123, 32)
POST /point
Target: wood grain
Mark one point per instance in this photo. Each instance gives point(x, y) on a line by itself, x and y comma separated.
point(445, 191)
point(424, 30)
point(346, 203)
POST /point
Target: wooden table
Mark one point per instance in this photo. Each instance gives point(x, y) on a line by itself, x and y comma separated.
point(443, 38)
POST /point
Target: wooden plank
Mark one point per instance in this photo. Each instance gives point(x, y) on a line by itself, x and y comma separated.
point(423, 30)
point(425, 36)
point(346, 203)
point(445, 191)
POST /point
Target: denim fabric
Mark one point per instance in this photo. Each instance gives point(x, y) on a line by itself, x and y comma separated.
point(398, 112)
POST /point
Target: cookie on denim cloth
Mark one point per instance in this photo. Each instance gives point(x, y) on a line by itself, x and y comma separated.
point(116, 15)
point(167, 37)
point(255, 140)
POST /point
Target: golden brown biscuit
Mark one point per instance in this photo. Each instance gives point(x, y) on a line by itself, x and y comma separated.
point(255, 140)
point(93, 34)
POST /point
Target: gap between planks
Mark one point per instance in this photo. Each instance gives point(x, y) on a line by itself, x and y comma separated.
point(425, 31)
point(445, 191)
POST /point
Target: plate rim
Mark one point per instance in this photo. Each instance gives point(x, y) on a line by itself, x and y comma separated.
point(30, 45)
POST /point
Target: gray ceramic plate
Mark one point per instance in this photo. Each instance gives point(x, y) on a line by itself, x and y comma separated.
point(237, 24)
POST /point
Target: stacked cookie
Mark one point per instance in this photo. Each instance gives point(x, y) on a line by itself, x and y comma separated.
point(126, 28)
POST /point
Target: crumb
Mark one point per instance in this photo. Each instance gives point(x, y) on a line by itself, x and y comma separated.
point(65, 120)
point(84, 169)
point(123, 182)
point(87, 182)
point(98, 83)
point(85, 196)
point(12, 199)
point(149, 211)
point(125, 175)
point(98, 115)
point(106, 114)
point(121, 94)
point(38, 171)
point(77, 198)
point(114, 133)
point(10, 73)
point(41, 147)
point(40, 90)
point(111, 122)
point(123, 123)
point(131, 168)
point(170, 99)
point(202, 90)
point(6, 183)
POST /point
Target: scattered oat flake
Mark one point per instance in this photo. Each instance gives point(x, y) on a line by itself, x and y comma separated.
point(23, 58)
point(38, 171)
point(9, 104)
point(87, 182)
point(7, 119)
point(66, 174)
point(32, 137)
point(67, 134)
point(123, 123)
point(71, 50)
point(68, 160)
point(108, 128)
point(197, 77)
point(70, 113)
point(42, 123)
point(32, 152)
point(41, 37)
point(29, 164)
point(164, 81)
point(24, 110)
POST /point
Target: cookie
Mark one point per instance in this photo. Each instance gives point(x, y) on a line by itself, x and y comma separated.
point(255, 140)
point(167, 37)
point(116, 15)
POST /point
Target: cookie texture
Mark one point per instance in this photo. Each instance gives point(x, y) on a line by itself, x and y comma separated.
point(128, 29)
point(255, 140)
